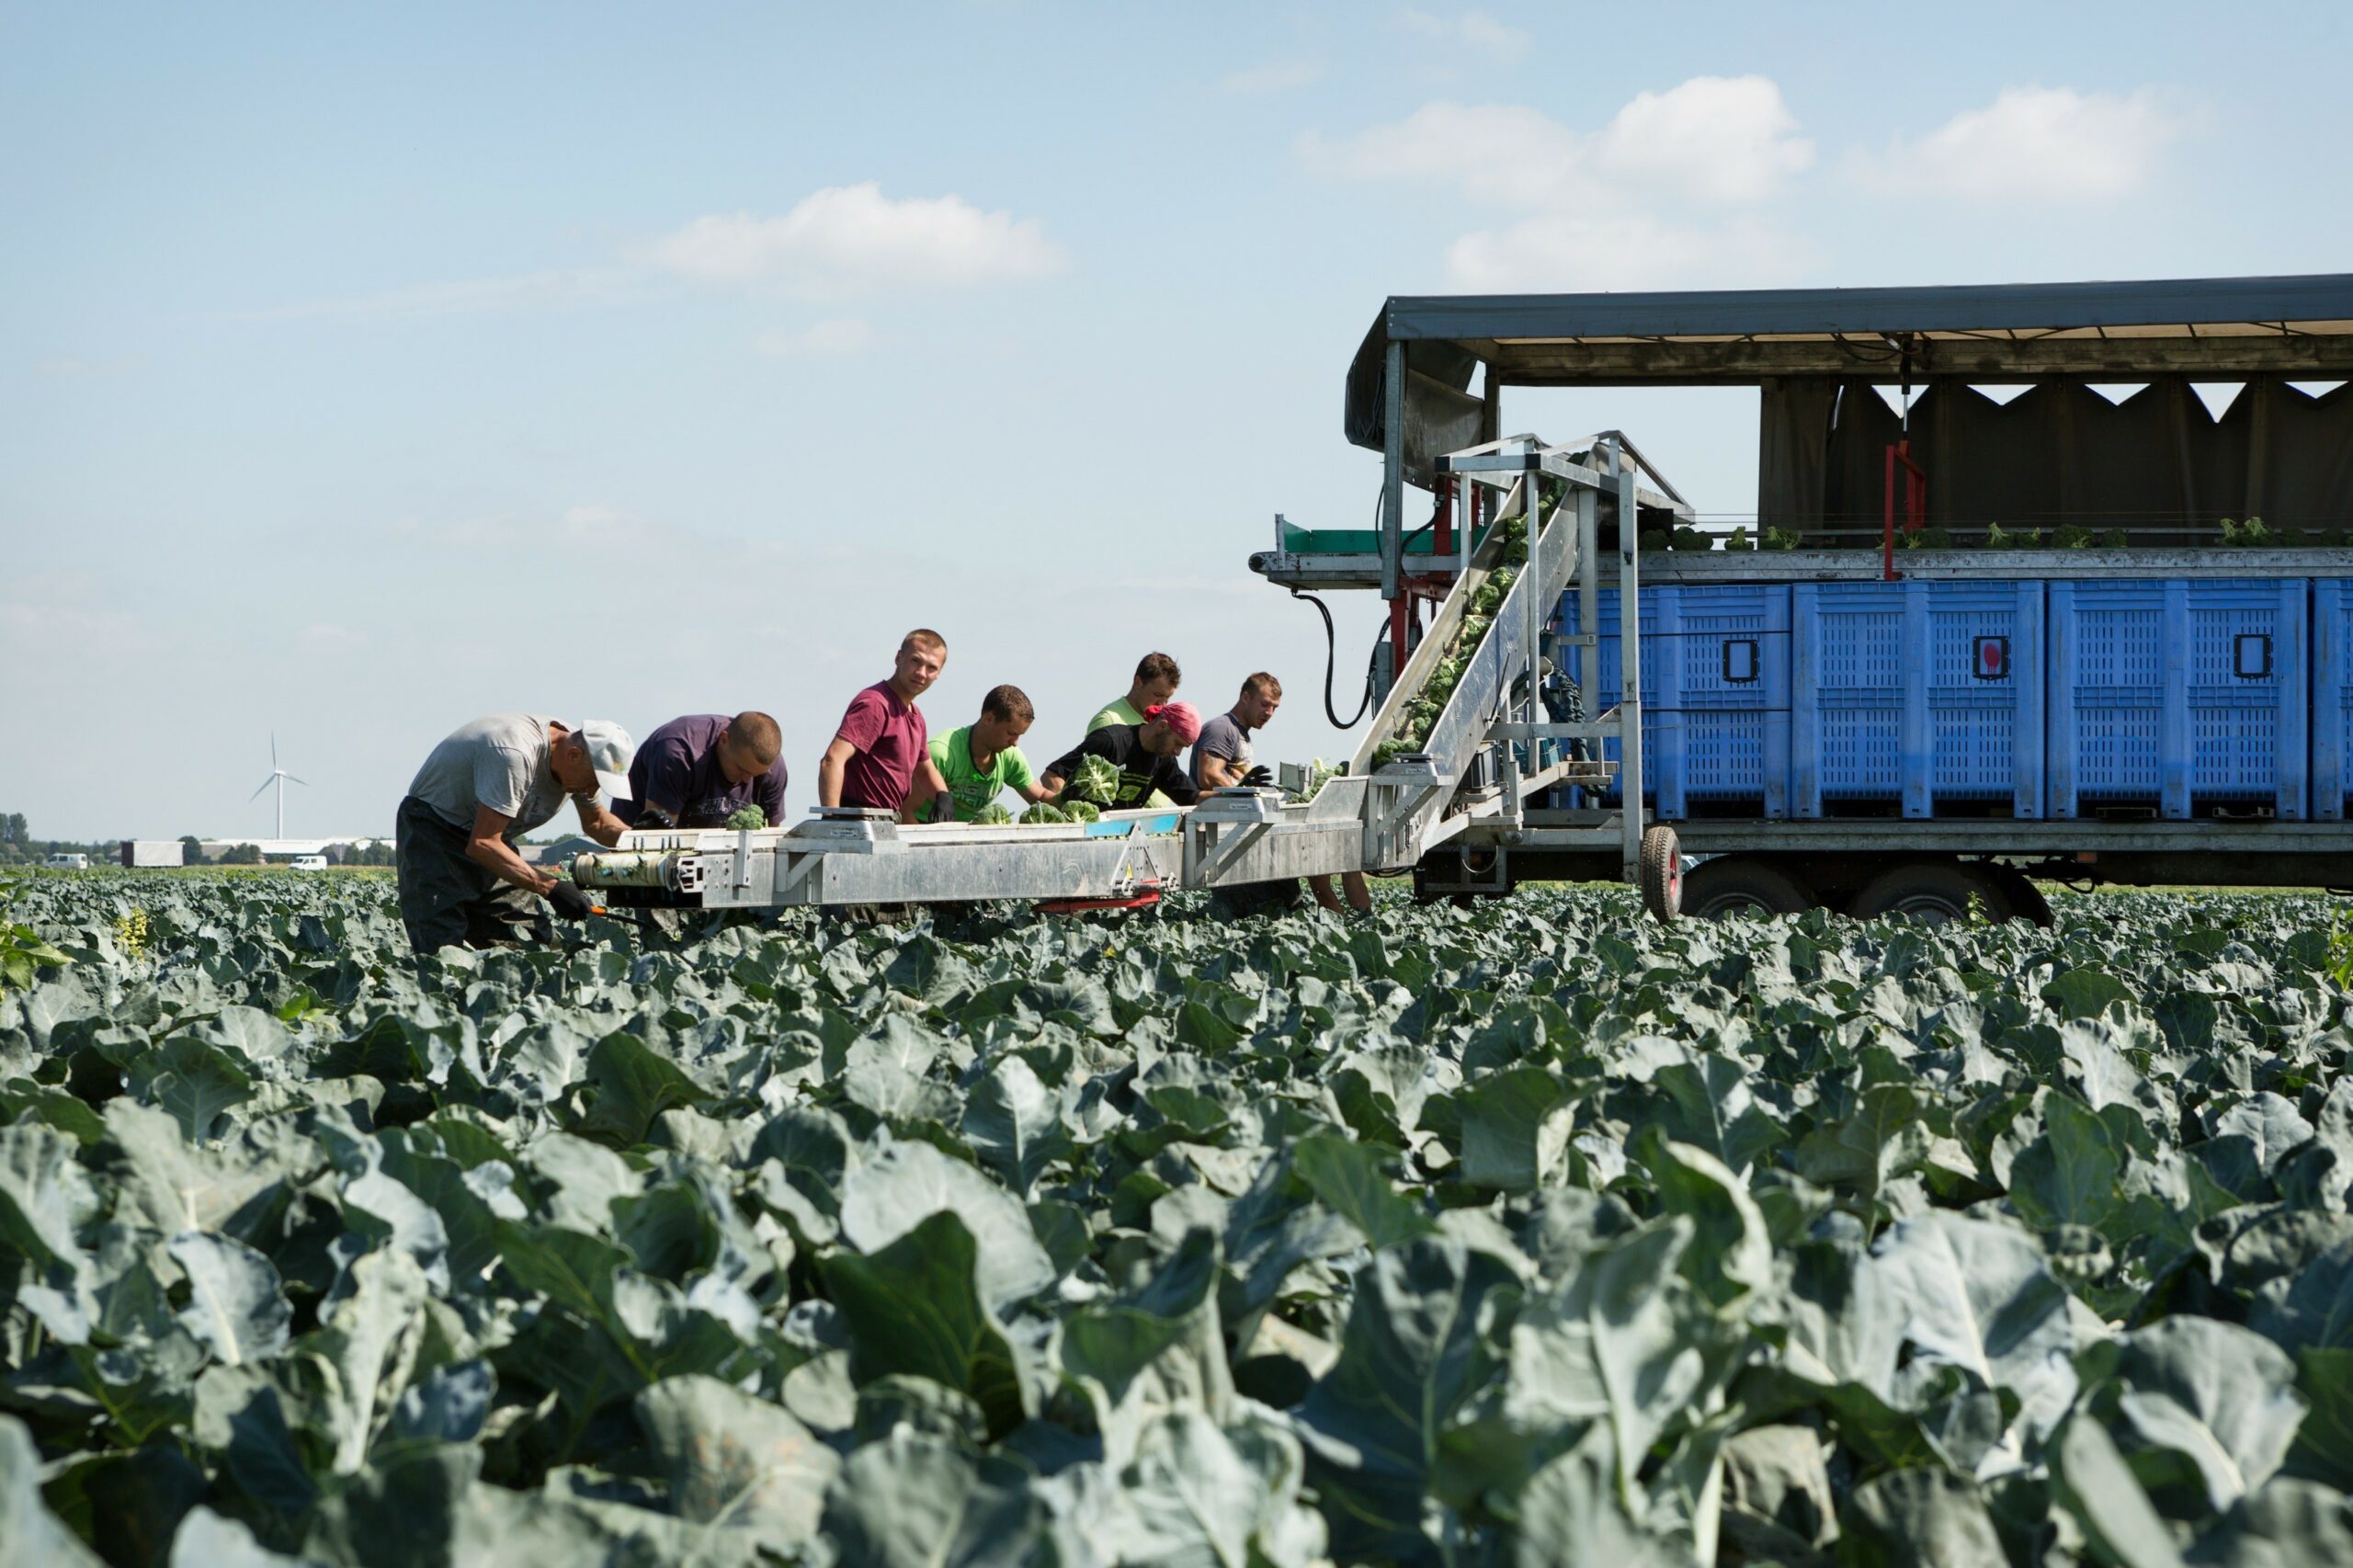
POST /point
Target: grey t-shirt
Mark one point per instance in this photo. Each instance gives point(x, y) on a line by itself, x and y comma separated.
point(1221, 736)
point(503, 761)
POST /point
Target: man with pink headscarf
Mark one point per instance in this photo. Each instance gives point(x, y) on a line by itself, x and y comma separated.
point(1146, 755)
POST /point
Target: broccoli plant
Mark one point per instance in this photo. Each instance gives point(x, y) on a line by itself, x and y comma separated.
point(1081, 811)
point(1097, 780)
point(991, 816)
point(1045, 812)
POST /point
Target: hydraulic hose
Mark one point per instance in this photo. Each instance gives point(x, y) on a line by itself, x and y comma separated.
point(1331, 663)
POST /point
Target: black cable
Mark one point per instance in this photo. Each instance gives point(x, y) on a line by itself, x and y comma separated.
point(1331, 663)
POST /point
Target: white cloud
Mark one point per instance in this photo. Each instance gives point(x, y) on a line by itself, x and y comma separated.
point(1719, 139)
point(1272, 78)
point(844, 334)
point(1563, 252)
point(1473, 29)
point(1498, 153)
point(2032, 143)
point(1640, 202)
point(847, 239)
point(1712, 138)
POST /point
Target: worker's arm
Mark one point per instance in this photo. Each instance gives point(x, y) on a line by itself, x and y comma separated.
point(488, 849)
point(1058, 773)
point(1220, 772)
point(1037, 789)
point(595, 821)
point(931, 787)
point(831, 770)
point(1174, 782)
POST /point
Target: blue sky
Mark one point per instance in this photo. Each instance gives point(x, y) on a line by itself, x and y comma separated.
point(366, 370)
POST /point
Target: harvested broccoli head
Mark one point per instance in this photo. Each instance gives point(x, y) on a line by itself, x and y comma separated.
point(747, 817)
point(1097, 780)
point(1081, 811)
point(991, 816)
point(1045, 810)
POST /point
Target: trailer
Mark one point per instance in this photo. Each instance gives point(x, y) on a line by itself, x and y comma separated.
point(1885, 708)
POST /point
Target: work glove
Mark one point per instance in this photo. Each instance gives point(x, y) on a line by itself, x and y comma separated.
point(1259, 778)
point(570, 901)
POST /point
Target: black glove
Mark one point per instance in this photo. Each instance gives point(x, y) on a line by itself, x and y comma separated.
point(570, 901)
point(1258, 778)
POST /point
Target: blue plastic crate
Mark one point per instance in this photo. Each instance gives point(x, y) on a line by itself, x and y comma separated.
point(2184, 695)
point(2332, 697)
point(1916, 693)
point(1715, 692)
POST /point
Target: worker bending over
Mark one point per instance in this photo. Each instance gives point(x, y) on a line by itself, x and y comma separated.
point(881, 756)
point(1155, 683)
point(1145, 754)
point(699, 770)
point(493, 780)
point(1221, 760)
point(982, 759)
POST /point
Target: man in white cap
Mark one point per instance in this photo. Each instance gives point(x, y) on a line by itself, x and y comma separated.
point(462, 879)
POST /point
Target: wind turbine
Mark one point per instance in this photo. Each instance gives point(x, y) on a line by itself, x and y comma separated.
point(280, 778)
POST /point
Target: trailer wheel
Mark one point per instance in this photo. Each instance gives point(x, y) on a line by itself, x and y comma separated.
point(2027, 901)
point(1934, 892)
point(1661, 873)
point(1741, 884)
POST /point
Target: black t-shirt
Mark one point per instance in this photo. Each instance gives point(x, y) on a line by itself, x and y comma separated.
point(1141, 771)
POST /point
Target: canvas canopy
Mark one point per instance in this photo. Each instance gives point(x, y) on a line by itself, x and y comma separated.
point(2157, 455)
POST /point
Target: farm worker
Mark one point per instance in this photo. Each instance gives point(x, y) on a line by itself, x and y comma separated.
point(1145, 754)
point(1222, 756)
point(699, 770)
point(1156, 682)
point(880, 758)
point(982, 759)
point(1221, 760)
point(489, 783)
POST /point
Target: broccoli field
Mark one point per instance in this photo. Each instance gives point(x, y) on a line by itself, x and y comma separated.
point(1533, 1234)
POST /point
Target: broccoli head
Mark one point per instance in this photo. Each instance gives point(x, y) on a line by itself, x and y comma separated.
point(1081, 811)
point(991, 816)
point(753, 817)
point(1097, 780)
point(1045, 812)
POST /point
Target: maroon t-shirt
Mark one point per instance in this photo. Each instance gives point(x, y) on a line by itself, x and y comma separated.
point(891, 741)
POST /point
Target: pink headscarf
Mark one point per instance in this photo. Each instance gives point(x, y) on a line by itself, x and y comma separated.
point(1182, 717)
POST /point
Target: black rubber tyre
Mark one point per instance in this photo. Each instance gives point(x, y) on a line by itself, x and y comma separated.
point(1741, 884)
point(2027, 901)
point(1661, 873)
point(1934, 892)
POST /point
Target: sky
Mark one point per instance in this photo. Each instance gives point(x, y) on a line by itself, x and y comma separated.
point(364, 370)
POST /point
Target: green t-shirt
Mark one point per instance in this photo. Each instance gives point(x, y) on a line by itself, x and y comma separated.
point(1120, 712)
point(974, 788)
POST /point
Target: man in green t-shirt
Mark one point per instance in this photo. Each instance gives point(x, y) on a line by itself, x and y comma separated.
point(1155, 683)
point(981, 759)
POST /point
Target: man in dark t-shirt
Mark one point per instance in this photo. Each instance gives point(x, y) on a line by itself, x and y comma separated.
point(699, 770)
point(1145, 754)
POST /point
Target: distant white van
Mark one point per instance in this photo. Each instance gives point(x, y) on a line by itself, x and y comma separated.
point(309, 862)
point(70, 863)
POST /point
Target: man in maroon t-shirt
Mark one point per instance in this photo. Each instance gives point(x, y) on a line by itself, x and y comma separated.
point(881, 752)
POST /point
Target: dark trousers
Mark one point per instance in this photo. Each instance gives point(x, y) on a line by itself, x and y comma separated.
point(446, 899)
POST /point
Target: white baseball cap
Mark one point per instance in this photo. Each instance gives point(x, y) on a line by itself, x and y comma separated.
point(610, 751)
